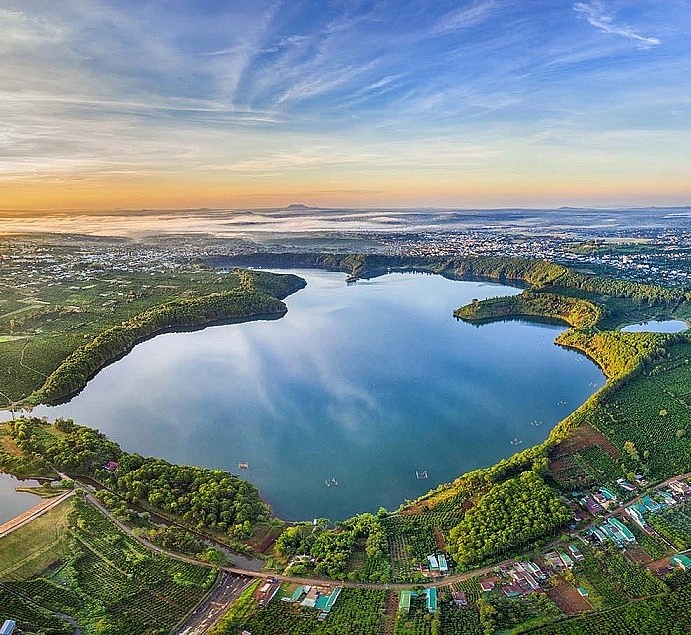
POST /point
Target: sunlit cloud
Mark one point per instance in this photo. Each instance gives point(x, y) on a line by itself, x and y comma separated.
point(304, 97)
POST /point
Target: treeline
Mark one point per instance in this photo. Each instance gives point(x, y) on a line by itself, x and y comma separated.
point(617, 353)
point(210, 500)
point(539, 274)
point(576, 312)
point(76, 370)
point(203, 499)
point(512, 514)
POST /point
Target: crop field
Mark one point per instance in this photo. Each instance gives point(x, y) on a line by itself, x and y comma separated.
point(417, 621)
point(356, 612)
point(612, 580)
point(674, 525)
point(663, 615)
point(410, 542)
point(103, 579)
point(45, 317)
point(648, 412)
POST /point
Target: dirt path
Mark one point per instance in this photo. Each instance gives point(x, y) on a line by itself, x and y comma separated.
point(390, 611)
point(31, 514)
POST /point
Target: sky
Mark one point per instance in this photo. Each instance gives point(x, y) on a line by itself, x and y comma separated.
point(348, 103)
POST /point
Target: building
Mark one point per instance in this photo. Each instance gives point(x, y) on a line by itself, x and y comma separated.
point(460, 598)
point(681, 561)
point(486, 585)
point(433, 563)
point(8, 627)
point(635, 514)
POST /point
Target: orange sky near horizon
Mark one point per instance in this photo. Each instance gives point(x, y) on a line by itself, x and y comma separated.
point(157, 192)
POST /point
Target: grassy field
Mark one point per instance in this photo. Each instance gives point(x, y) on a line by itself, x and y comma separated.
point(31, 548)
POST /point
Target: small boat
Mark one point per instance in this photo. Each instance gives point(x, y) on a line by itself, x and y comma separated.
point(515, 442)
point(327, 483)
point(244, 465)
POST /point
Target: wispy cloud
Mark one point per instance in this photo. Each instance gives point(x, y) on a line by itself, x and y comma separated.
point(597, 15)
point(466, 17)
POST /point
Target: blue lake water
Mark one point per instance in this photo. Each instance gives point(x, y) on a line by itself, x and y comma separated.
point(656, 326)
point(365, 384)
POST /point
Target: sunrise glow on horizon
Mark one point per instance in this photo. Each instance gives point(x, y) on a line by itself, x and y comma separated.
point(474, 103)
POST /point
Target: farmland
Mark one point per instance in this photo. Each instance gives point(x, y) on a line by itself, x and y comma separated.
point(78, 564)
point(357, 612)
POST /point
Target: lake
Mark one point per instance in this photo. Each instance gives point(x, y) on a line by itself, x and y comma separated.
point(13, 503)
point(362, 384)
point(657, 326)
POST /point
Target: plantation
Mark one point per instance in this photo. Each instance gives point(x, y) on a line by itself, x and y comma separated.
point(90, 316)
point(674, 524)
point(668, 615)
point(357, 611)
point(511, 515)
point(107, 582)
point(645, 413)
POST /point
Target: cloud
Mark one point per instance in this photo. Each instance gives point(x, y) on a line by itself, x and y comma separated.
point(467, 16)
point(597, 16)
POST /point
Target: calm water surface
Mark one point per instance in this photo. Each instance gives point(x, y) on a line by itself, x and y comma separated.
point(13, 503)
point(364, 384)
point(657, 326)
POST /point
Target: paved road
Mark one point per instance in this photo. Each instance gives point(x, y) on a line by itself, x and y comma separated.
point(213, 606)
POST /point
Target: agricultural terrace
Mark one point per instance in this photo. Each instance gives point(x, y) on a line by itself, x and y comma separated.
point(74, 562)
point(57, 331)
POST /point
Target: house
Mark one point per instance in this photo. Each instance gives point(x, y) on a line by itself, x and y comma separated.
point(592, 505)
point(667, 497)
point(635, 515)
point(443, 566)
point(582, 591)
point(568, 563)
point(486, 585)
point(511, 590)
point(431, 599)
point(8, 627)
point(460, 598)
point(553, 559)
point(621, 531)
point(433, 563)
point(680, 487)
point(576, 553)
point(681, 561)
point(111, 466)
point(608, 495)
point(650, 504)
point(626, 486)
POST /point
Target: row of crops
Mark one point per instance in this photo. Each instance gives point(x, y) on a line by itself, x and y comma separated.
point(109, 583)
point(674, 524)
point(356, 612)
point(662, 615)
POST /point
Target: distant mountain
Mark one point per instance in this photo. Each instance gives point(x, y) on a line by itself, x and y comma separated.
point(297, 206)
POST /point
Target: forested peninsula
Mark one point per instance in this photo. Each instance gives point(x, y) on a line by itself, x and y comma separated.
point(257, 295)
